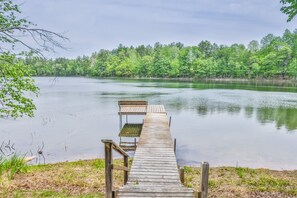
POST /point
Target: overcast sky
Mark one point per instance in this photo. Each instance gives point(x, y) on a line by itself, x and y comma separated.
point(92, 25)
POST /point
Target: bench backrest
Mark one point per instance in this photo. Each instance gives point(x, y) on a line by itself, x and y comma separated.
point(132, 102)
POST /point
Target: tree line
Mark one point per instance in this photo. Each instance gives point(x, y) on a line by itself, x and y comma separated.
point(272, 57)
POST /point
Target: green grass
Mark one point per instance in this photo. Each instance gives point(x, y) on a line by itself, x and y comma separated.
point(241, 172)
point(241, 182)
point(264, 181)
point(51, 193)
point(100, 164)
point(9, 166)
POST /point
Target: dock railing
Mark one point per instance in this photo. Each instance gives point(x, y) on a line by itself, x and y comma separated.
point(109, 145)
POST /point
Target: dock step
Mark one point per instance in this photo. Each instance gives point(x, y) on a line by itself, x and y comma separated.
point(177, 190)
point(128, 146)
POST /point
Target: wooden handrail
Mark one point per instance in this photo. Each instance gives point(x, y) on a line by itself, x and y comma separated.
point(115, 147)
point(117, 167)
point(109, 145)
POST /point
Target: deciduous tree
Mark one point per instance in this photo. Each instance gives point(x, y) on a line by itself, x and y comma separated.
point(289, 8)
point(15, 81)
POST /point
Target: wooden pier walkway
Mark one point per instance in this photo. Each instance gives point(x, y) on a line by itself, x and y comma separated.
point(154, 171)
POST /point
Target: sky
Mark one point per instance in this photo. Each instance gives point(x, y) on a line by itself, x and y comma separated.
point(92, 25)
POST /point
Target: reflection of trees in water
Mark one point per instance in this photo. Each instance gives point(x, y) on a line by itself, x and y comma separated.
point(265, 114)
point(274, 86)
point(233, 109)
point(204, 108)
point(249, 111)
point(286, 117)
point(201, 105)
point(283, 117)
point(176, 104)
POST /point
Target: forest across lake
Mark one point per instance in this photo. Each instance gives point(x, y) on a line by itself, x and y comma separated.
point(225, 124)
point(272, 57)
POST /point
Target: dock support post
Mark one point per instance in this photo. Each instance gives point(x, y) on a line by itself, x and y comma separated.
point(204, 179)
point(182, 175)
point(175, 145)
point(125, 172)
point(108, 170)
point(120, 122)
point(169, 121)
point(135, 145)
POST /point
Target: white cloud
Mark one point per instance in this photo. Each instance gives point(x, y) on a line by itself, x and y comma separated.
point(95, 24)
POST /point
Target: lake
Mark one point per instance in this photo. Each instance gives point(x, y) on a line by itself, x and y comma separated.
point(247, 125)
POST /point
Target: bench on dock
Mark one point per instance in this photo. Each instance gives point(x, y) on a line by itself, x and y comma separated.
point(130, 130)
point(132, 107)
point(138, 107)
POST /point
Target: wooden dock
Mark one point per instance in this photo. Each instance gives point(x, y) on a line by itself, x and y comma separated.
point(154, 171)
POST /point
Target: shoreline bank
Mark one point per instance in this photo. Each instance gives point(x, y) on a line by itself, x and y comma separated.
point(194, 165)
point(85, 178)
point(292, 82)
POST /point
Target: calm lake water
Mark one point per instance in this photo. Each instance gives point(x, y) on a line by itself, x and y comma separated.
point(224, 124)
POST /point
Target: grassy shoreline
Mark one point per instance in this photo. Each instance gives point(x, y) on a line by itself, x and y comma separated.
point(85, 178)
point(273, 81)
point(268, 81)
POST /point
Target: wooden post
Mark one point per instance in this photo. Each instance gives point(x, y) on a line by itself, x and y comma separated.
point(120, 122)
point(108, 170)
point(114, 194)
point(125, 172)
point(109, 145)
point(204, 179)
point(169, 121)
point(135, 145)
point(175, 145)
point(182, 175)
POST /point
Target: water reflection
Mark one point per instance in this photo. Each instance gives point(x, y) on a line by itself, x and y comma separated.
point(281, 116)
point(178, 104)
point(216, 122)
point(203, 110)
point(248, 111)
point(277, 108)
point(273, 86)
